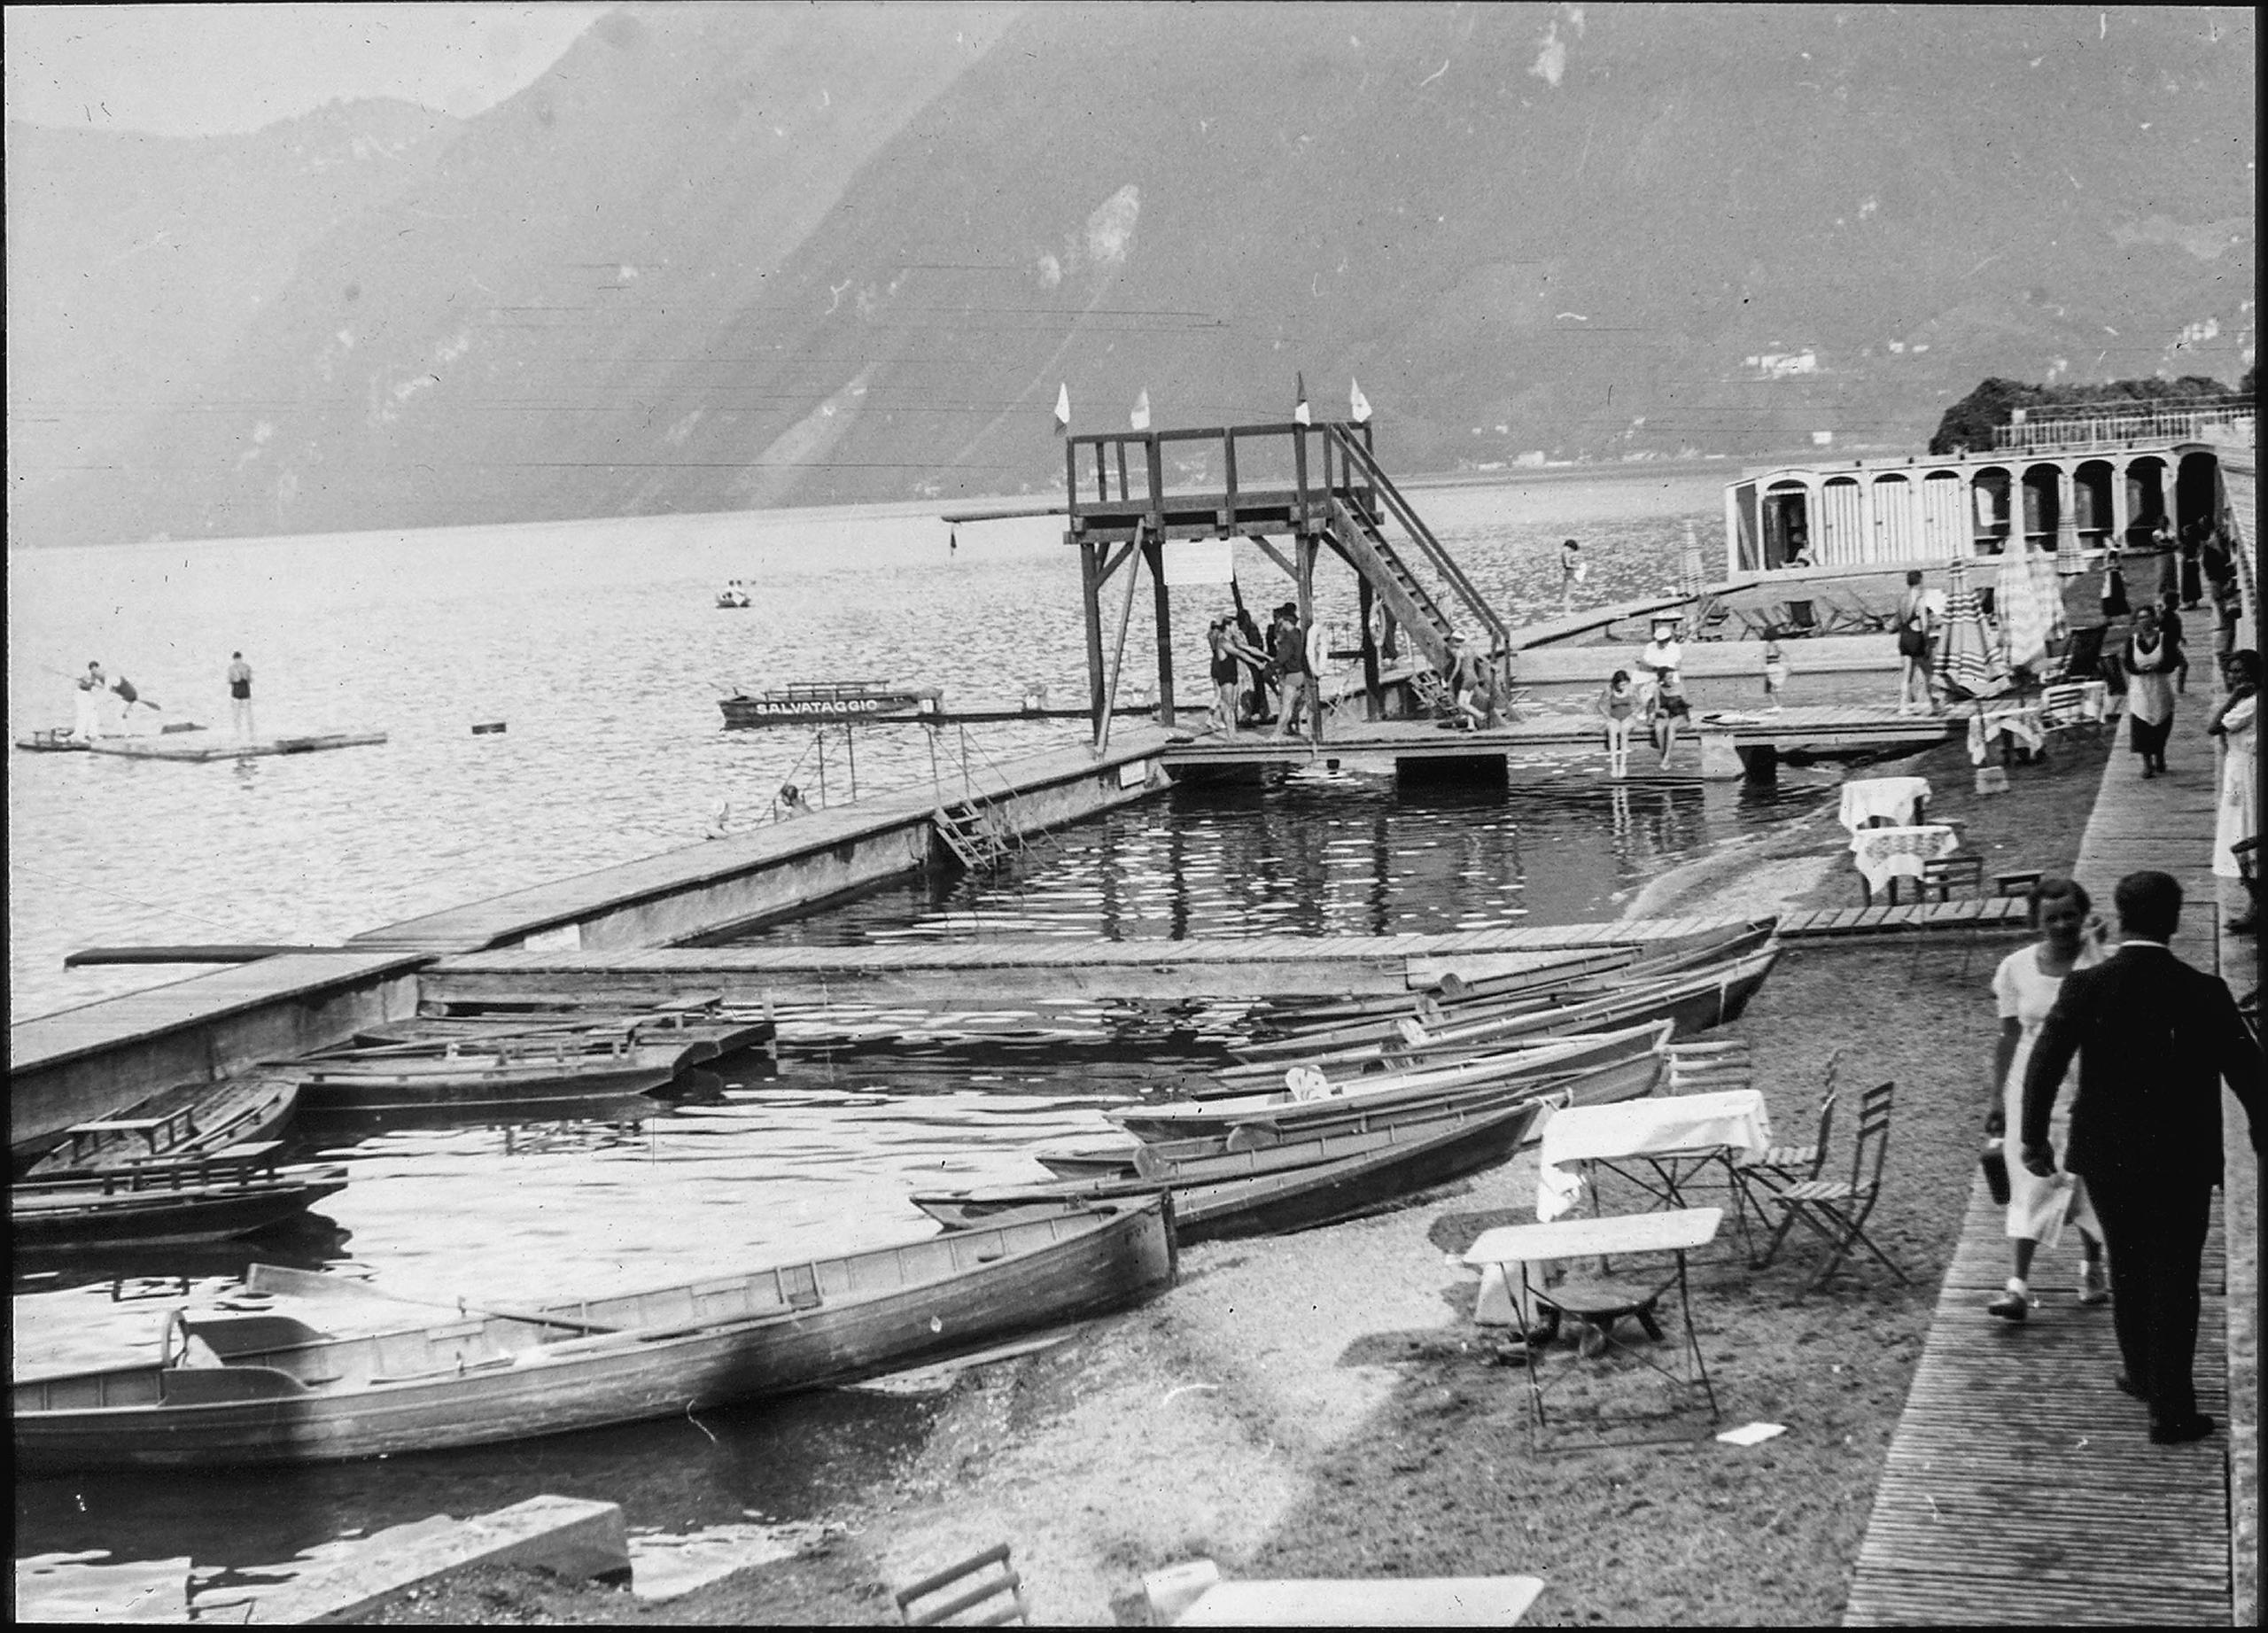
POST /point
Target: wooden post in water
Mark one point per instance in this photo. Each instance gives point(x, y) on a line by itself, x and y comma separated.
point(1365, 605)
point(1090, 596)
point(1161, 603)
point(1133, 564)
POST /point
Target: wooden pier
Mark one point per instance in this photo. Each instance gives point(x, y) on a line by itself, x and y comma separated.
point(1756, 742)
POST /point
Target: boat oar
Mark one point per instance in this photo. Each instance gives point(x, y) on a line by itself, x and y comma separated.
point(283, 1280)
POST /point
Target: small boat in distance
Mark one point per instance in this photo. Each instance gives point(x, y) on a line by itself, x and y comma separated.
point(467, 1078)
point(734, 594)
point(228, 1388)
point(809, 702)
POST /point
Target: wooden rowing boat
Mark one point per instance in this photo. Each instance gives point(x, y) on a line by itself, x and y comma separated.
point(1296, 1186)
point(270, 1388)
point(1513, 995)
point(696, 1036)
point(209, 1200)
point(188, 1121)
point(1692, 1002)
point(470, 1078)
point(1610, 1066)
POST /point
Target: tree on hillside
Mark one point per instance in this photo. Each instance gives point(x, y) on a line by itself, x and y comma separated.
point(1970, 423)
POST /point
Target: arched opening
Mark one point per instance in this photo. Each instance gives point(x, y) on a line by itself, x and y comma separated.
point(1841, 540)
point(1945, 515)
point(2091, 503)
point(1990, 484)
point(2196, 493)
point(2147, 493)
point(1787, 523)
point(1897, 530)
point(2043, 506)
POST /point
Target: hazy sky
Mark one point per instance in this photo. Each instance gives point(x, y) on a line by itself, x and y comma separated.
point(201, 70)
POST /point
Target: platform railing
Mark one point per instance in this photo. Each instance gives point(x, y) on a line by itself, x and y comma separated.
point(2088, 424)
point(1113, 472)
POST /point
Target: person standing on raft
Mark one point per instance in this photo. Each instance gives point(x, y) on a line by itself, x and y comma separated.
point(240, 694)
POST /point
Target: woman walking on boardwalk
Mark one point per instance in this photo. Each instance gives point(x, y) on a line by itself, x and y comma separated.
point(2025, 986)
point(2151, 659)
point(2237, 723)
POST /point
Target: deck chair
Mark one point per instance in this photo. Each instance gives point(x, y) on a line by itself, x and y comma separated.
point(991, 1594)
point(2081, 656)
point(1802, 620)
point(2060, 708)
point(1837, 1209)
point(1847, 618)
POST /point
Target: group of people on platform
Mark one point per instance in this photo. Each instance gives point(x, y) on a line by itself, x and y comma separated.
point(1276, 675)
point(2129, 1157)
point(1655, 697)
point(103, 707)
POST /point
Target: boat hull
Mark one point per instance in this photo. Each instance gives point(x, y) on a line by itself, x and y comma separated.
point(331, 1091)
point(1286, 1195)
point(1618, 1066)
point(736, 1338)
point(74, 1214)
point(213, 1116)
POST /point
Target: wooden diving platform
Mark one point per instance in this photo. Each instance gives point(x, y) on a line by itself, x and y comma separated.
point(1017, 970)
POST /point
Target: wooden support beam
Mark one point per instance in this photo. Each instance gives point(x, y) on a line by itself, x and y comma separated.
point(1161, 607)
point(1365, 603)
point(1274, 554)
point(1090, 602)
point(1117, 658)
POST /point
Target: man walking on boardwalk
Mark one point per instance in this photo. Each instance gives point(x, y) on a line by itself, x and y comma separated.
point(2155, 1038)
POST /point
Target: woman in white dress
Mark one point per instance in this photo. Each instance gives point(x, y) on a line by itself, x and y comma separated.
point(2237, 723)
point(2025, 984)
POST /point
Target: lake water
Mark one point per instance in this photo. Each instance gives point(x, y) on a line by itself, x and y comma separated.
point(598, 644)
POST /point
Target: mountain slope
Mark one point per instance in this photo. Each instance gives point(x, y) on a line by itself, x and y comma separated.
point(755, 255)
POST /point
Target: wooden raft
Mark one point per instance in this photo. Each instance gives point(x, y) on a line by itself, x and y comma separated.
point(2022, 1488)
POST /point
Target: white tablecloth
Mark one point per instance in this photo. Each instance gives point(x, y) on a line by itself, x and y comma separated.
point(1885, 853)
point(1729, 1120)
point(1898, 798)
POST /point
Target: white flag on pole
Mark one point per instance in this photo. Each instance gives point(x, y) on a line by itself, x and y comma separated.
point(1063, 407)
point(1300, 409)
point(1358, 405)
point(1140, 418)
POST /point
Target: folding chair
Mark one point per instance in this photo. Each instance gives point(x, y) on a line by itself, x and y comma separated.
point(1801, 619)
point(1837, 1209)
point(1704, 1068)
point(1781, 1166)
point(976, 1602)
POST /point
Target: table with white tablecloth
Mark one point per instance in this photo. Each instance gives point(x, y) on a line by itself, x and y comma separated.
point(1884, 855)
point(1900, 801)
point(1673, 1134)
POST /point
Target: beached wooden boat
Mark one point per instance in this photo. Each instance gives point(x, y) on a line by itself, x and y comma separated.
point(268, 1389)
point(188, 1121)
point(818, 702)
point(1618, 1065)
point(1293, 1018)
point(470, 1078)
point(208, 1200)
point(1293, 1187)
point(1484, 1001)
point(1693, 1002)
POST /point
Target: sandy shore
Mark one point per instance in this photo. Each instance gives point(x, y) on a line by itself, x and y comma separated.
point(1323, 1405)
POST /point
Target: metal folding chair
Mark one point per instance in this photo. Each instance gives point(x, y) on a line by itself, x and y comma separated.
point(1784, 1165)
point(1837, 1211)
point(990, 1578)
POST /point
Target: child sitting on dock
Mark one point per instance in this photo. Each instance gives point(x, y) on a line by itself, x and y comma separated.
point(1776, 674)
point(1618, 706)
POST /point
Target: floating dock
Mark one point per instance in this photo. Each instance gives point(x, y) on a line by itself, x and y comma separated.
point(199, 746)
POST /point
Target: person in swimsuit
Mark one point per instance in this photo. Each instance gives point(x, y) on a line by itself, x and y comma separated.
point(1229, 655)
point(1916, 621)
point(1776, 674)
point(1571, 573)
point(1618, 706)
point(240, 694)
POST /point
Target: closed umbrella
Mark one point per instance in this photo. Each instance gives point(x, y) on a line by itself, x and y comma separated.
point(2046, 580)
point(1968, 657)
point(2023, 616)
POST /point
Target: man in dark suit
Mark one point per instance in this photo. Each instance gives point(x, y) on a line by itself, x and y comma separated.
point(2155, 1038)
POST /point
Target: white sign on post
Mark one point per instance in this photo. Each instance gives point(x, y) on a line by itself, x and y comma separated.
point(1201, 561)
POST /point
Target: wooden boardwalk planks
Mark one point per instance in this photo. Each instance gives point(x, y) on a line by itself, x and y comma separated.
point(2021, 1487)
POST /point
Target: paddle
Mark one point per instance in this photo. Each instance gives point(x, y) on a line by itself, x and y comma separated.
point(283, 1280)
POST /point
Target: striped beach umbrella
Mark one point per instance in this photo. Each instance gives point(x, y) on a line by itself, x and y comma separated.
point(2069, 562)
point(1968, 657)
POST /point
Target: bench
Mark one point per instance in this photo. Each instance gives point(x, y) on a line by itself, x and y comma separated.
point(161, 1132)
